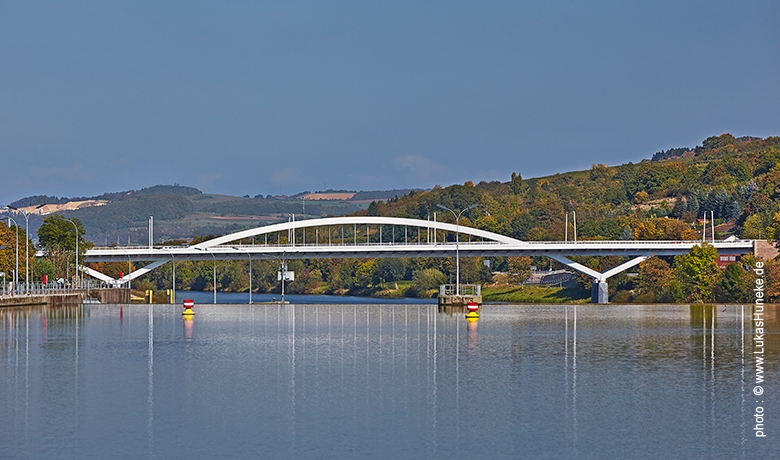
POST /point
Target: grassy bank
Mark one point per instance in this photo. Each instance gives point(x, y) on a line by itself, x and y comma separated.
point(534, 294)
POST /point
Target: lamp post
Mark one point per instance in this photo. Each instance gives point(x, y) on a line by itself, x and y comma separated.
point(173, 275)
point(15, 278)
point(249, 254)
point(2, 274)
point(77, 252)
point(26, 244)
point(457, 242)
point(215, 271)
point(215, 275)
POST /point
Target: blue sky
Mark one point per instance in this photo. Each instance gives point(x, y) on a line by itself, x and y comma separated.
point(279, 97)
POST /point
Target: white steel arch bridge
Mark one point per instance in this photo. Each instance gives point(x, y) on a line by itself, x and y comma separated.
point(392, 237)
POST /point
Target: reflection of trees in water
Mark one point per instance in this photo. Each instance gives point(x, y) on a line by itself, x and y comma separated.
point(54, 315)
point(728, 332)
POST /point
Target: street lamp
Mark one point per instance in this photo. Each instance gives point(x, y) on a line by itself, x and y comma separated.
point(457, 242)
point(77, 252)
point(2, 274)
point(250, 271)
point(215, 271)
point(15, 278)
point(26, 244)
point(173, 275)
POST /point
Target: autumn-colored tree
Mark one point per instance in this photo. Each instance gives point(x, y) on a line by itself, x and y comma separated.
point(519, 268)
point(772, 281)
point(655, 277)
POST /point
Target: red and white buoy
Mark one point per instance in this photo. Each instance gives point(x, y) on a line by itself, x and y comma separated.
point(188, 304)
point(473, 311)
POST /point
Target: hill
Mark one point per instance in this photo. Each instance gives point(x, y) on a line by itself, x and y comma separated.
point(182, 212)
point(736, 179)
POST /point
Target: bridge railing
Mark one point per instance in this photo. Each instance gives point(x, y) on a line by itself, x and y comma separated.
point(302, 245)
point(634, 242)
point(162, 249)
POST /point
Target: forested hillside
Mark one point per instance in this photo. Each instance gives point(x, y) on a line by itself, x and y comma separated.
point(737, 179)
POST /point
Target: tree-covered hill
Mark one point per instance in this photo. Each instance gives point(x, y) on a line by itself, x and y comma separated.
point(736, 179)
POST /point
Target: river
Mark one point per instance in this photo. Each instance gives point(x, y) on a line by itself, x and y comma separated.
point(386, 381)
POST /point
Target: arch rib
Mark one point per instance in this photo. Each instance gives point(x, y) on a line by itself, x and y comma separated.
point(357, 220)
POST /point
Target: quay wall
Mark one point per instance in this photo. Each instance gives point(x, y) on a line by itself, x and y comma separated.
point(72, 298)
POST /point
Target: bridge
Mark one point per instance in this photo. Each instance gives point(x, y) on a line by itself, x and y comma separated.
point(393, 237)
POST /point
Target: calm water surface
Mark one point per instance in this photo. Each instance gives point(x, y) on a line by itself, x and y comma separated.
point(384, 381)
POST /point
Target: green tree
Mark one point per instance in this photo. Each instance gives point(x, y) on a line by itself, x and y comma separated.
point(389, 270)
point(698, 273)
point(753, 228)
point(58, 237)
point(734, 286)
point(426, 280)
point(714, 142)
point(516, 184)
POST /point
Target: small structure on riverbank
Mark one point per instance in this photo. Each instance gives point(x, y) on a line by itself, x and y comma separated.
point(457, 298)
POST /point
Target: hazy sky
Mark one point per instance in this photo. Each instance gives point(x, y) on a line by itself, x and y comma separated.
point(280, 97)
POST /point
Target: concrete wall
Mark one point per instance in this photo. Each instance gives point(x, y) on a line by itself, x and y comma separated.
point(110, 295)
point(765, 250)
point(74, 298)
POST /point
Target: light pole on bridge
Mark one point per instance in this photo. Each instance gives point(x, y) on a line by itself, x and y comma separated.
point(457, 242)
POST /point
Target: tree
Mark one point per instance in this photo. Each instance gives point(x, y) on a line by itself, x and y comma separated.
point(58, 237)
point(426, 280)
point(772, 280)
point(655, 276)
point(389, 270)
point(753, 228)
point(734, 286)
point(519, 268)
point(516, 184)
point(698, 272)
point(714, 142)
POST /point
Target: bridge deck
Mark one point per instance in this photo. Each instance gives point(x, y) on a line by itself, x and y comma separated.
point(389, 250)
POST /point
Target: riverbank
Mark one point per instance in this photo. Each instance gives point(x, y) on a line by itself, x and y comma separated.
point(535, 294)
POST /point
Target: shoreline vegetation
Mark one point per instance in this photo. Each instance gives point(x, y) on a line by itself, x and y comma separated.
point(526, 294)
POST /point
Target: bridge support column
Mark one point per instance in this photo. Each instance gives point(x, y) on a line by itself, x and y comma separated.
point(599, 292)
